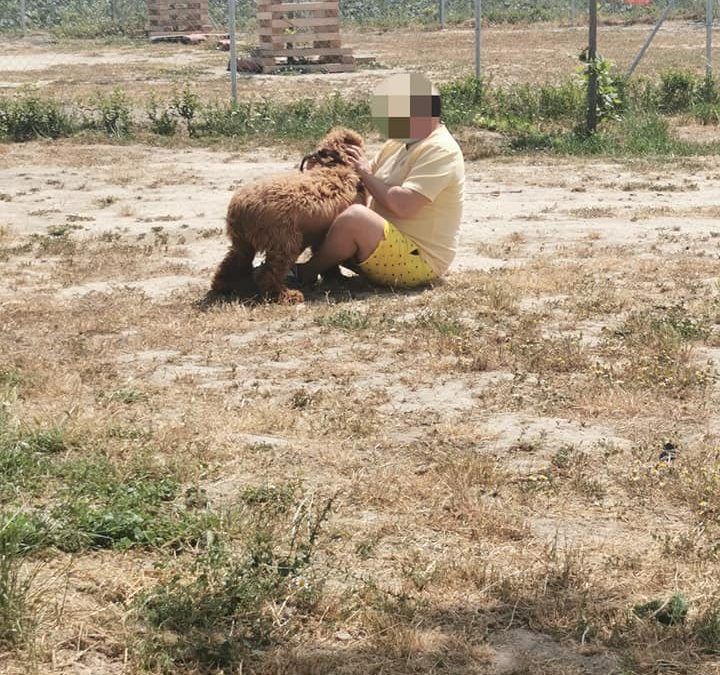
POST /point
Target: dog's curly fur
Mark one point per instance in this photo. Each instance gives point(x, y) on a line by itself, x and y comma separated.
point(276, 215)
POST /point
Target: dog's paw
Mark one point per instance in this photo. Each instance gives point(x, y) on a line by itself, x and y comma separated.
point(291, 296)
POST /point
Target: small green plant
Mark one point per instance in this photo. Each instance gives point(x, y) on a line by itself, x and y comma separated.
point(46, 440)
point(462, 100)
point(185, 104)
point(114, 114)
point(10, 377)
point(128, 396)
point(608, 93)
point(345, 319)
point(163, 120)
point(669, 612)
point(441, 322)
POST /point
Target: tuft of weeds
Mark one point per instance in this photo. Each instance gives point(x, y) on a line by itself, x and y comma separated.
point(112, 114)
point(128, 396)
point(163, 119)
point(667, 612)
point(185, 105)
point(17, 618)
point(53, 244)
point(707, 628)
point(214, 612)
point(10, 377)
point(536, 353)
point(655, 350)
point(344, 319)
point(442, 322)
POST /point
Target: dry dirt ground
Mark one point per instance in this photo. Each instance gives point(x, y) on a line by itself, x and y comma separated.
point(493, 442)
point(544, 53)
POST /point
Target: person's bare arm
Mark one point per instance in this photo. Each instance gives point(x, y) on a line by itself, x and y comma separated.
point(399, 201)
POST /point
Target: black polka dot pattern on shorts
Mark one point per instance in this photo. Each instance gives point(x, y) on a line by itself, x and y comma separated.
point(397, 262)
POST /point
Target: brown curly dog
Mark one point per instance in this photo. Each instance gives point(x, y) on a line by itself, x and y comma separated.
point(283, 215)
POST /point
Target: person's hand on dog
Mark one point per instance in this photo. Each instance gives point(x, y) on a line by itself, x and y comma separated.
point(358, 159)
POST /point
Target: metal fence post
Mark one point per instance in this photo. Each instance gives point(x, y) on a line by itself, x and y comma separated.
point(708, 38)
point(478, 36)
point(23, 26)
point(573, 13)
point(592, 68)
point(233, 51)
point(441, 13)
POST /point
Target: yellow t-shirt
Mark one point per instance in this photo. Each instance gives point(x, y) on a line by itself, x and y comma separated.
point(434, 167)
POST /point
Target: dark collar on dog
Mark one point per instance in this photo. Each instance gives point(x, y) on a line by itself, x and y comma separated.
point(323, 154)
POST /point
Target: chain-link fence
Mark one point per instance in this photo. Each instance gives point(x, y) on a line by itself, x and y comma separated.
point(127, 17)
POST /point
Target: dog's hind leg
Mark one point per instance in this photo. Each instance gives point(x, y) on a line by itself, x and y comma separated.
point(235, 271)
point(272, 275)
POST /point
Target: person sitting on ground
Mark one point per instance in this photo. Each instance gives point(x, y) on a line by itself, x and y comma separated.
point(407, 234)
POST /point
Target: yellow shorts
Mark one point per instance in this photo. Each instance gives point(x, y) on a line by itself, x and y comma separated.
point(397, 262)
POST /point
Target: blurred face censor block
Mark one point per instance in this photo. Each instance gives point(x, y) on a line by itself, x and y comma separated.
point(403, 106)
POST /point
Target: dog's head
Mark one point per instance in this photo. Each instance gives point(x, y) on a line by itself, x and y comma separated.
point(332, 150)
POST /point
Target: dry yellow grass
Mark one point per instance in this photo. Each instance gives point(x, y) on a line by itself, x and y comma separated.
point(452, 532)
point(493, 444)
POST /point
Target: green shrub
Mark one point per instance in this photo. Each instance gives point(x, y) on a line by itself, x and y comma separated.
point(115, 118)
point(26, 117)
point(163, 120)
point(185, 104)
point(462, 100)
point(679, 91)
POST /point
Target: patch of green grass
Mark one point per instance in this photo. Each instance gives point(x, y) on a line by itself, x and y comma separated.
point(76, 499)
point(345, 319)
point(25, 458)
point(17, 619)
point(103, 507)
point(212, 613)
point(634, 135)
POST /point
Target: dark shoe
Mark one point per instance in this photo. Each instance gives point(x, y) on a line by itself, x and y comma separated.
point(293, 279)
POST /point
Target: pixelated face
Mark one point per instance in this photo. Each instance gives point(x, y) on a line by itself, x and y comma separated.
point(404, 106)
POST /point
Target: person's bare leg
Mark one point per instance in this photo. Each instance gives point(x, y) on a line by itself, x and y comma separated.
point(354, 235)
